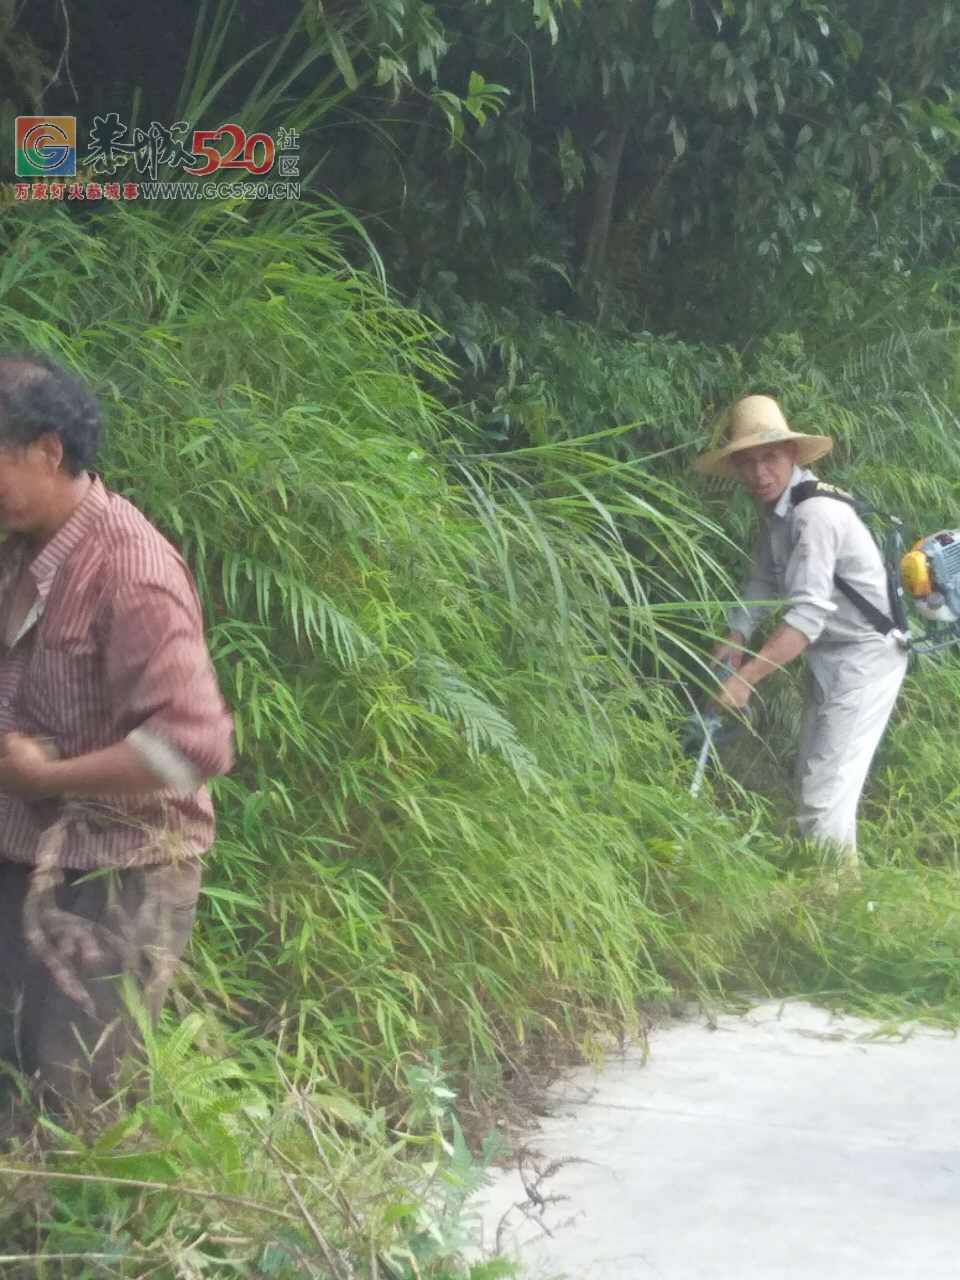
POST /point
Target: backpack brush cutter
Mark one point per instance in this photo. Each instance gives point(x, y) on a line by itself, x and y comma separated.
point(929, 574)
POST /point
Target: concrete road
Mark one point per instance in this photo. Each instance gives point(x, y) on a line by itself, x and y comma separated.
point(786, 1143)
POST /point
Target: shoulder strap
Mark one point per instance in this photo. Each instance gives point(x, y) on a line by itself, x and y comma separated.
point(818, 489)
point(876, 617)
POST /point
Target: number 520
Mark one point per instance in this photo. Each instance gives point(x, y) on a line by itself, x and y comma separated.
point(242, 153)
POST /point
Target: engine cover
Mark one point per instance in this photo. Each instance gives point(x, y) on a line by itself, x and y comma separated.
point(930, 572)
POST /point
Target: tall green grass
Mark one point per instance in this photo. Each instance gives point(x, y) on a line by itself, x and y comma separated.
point(430, 652)
point(891, 406)
point(454, 830)
point(459, 830)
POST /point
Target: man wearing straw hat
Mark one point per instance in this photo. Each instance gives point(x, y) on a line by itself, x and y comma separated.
point(814, 554)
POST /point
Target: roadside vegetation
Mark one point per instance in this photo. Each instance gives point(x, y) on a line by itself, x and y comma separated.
point(460, 584)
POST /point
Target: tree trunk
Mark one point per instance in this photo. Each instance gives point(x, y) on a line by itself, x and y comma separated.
point(598, 236)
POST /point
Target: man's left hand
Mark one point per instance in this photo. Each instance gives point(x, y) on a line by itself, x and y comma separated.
point(733, 695)
point(25, 766)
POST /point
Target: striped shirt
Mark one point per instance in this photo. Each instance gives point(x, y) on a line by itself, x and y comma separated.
point(112, 650)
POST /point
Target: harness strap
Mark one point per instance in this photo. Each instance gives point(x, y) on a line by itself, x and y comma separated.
point(820, 489)
point(876, 617)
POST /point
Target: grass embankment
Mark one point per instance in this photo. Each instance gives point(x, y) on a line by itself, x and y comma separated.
point(459, 825)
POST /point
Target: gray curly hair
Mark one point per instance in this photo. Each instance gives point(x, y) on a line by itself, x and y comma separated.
point(38, 398)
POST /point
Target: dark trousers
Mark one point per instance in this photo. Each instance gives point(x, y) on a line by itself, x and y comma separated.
point(67, 1023)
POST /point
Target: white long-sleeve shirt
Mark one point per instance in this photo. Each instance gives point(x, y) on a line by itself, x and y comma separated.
point(797, 552)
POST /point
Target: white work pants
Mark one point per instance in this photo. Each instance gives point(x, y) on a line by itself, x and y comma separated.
point(852, 689)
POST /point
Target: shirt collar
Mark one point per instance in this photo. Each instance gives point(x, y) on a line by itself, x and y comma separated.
point(44, 567)
point(784, 503)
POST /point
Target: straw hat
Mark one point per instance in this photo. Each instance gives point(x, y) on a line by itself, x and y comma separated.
point(750, 423)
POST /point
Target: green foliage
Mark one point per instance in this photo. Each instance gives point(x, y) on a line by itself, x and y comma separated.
point(408, 755)
point(459, 830)
point(459, 826)
point(454, 824)
point(482, 101)
point(24, 74)
point(914, 814)
point(889, 403)
point(658, 157)
point(228, 1168)
point(411, 43)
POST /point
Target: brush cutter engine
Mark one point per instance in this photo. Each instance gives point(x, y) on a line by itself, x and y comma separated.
point(930, 573)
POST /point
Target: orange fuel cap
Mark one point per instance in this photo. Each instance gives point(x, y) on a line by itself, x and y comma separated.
point(915, 572)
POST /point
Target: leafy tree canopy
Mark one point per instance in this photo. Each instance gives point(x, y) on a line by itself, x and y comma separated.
point(641, 135)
